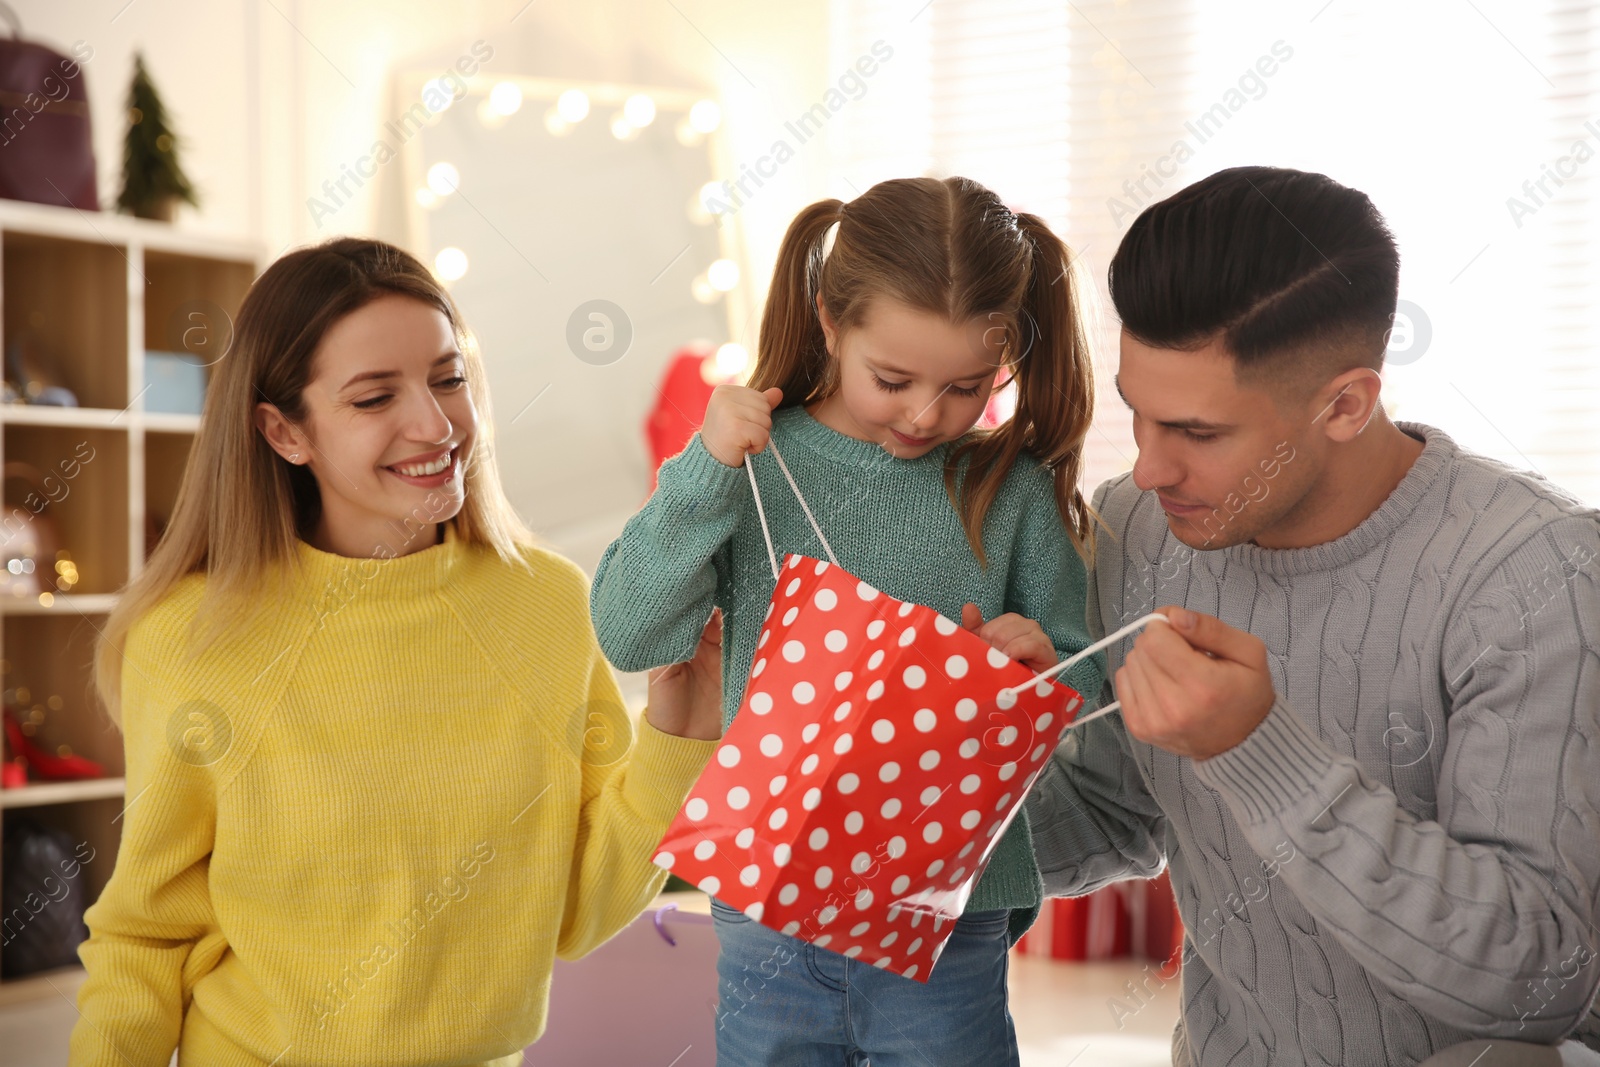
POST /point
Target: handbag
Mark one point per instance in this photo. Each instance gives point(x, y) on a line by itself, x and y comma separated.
point(46, 153)
point(878, 756)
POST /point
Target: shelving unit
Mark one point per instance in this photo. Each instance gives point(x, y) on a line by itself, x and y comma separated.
point(94, 292)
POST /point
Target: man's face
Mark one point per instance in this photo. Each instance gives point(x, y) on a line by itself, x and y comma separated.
point(1229, 463)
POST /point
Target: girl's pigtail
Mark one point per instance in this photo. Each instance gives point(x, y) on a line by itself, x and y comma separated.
point(792, 353)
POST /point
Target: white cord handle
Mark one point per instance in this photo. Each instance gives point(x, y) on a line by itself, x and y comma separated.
point(1137, 624)
point(772, 556)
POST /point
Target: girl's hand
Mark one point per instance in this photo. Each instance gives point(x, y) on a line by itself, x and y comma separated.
point(686, 698)
point(738, 420)
point(1020, 638)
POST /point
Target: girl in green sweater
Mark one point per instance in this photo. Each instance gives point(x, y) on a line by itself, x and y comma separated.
point(876, 361)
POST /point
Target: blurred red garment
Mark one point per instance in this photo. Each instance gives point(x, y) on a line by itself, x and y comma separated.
point(680, 405)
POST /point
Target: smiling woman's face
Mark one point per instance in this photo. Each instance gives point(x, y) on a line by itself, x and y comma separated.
point(388, 429)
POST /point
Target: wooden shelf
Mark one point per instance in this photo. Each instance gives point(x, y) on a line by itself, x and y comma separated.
point(164, 423)
point(38, 793)
point(82, 418)
point(61, 604)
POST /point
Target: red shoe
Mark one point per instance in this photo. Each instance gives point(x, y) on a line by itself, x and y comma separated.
point(46, 766)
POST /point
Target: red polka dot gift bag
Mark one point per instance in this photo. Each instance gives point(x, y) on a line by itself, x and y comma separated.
point(878, 756)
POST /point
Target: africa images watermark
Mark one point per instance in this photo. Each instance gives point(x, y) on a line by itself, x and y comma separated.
point(437, 95)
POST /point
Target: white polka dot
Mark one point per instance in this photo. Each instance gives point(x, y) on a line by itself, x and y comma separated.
point(966, 848)
point(791, 561)
point(848, 783)
point(804, 693)
point(853, 823)
point(1006, 737)
point(761, 703)
point(916, 916)
point(696, 809)
point(790, 615)
point(993, 829)
point(842, 743)
point(1000, 804)
point(824, 877)
point(755, 911)
point(890, 809)
point(1044, 721)
point(841, 680)
point(812, 798)
point(925, 720)
point(955, 875)
point(907, 608)
point(865, 591)
point(826, 599)
point(750, 875)
point(777, 785)
point(882, 963)
point(875, 690)
point(764, 635)
point(894, 935)
point(1037, 754)
point(780, 855)
point(738, 798)
point(771, 745)
point(822, 942)
point(910, 972)
point(970, 783)
point(761, 665)
point(932, 832)
point(860, 862)
point(970, 820)
point(842, 712)
point(1006, 771)
point(860, 928)
point(912, 948)
point(966, 709)
point(710, 885)
point(728, 755)
point(791, 928)
point(956, 666)
point(875, 660)
point(809, 734)
point(889, 772)
point(929, 759)
point(1043, 689)
point(883, 731)
point(745, 838)
point(931, 795)
point(788, 894)
point(896, 847)
point(778, 817)
point(876, 627)
point(900, 885)
point(827, 915)
point(822, 565)
point(894, 912)
point(934, 868)
point(818, 839)
point(836, 641)
point(665, 860)
point(704, 850)
point(794, 651)
point(969, 748)
point(789, 589)
point(944, 625)
point(1005, 699)
point(768, 615)
point(908, 635)
point(914, 677)
point(997, 659)
point(808, 764)
point(852, 952)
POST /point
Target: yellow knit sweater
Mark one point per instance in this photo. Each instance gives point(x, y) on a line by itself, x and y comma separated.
point(359, 828)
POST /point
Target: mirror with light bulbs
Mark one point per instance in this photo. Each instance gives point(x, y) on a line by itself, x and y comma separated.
point(573, 225)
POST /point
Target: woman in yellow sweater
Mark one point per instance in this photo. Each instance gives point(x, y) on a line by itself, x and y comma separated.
point(379, 773)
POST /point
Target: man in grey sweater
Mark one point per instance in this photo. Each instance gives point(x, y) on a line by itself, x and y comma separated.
point(1370, 753)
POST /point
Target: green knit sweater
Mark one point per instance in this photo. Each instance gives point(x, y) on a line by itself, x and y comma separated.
point(697, 543)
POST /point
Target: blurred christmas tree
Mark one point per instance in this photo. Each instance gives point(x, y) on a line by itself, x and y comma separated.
point(152, 180)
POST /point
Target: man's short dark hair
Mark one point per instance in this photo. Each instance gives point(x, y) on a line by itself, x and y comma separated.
point(1292, 271)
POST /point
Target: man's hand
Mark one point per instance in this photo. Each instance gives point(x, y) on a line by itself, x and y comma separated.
point(686, 698)
point(1195, 688)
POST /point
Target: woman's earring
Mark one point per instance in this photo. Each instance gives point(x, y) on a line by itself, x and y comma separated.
point(295, 458)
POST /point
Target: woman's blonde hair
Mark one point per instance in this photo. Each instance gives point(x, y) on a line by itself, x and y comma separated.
point(953, 248)
point(241, 507)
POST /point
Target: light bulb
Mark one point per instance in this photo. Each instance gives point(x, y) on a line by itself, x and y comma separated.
point(622, 129)
point(732, 359)
point(702, 291)
point(573, 105)
point(705, 116)
point(640, 109)
point(506, 98)
point(450, 264)
point(443, 179)
point(723, 275)
point(427, 197)
point(555, 123)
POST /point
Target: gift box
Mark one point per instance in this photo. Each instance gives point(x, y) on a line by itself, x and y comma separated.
point(877, 757)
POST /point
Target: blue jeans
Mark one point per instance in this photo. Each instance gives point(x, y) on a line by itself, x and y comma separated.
point(786, 1003)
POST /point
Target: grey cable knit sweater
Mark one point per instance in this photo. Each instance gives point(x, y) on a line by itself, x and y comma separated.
point(1405, 854)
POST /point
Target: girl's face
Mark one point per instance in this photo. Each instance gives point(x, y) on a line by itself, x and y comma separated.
point(909, 379)
point(389, 427)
